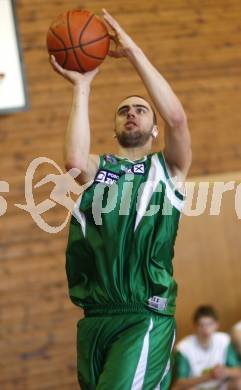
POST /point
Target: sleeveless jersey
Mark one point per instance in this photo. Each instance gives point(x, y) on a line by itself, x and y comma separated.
point(122, 234)
point(194, 360)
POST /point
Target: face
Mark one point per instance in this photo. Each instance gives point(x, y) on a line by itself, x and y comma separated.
point(134, 122)
point(206, 326)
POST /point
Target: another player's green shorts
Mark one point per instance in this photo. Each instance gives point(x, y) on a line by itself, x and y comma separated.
point(127, 351)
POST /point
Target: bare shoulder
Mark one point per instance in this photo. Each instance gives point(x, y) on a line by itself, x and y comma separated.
point(178, 151)
point(177, 176)
point(179, 171)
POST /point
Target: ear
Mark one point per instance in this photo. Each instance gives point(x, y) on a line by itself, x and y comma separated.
point(154, 131)
point(114, 135)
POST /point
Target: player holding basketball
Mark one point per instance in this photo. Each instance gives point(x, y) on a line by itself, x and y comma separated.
point(119, 259)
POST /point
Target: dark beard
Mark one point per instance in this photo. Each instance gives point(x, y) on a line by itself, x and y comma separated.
point(132, 139)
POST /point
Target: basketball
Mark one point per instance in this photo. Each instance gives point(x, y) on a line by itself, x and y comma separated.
point(79, 40)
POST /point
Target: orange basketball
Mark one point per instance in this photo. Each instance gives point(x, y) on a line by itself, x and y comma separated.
point(79, 40)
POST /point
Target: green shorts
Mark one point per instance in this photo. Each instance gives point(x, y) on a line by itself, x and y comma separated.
point(128, 351)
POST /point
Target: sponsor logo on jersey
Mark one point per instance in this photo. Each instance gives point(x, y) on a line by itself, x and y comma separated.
point(157, 303)
point(139, 169)
point(106, 177)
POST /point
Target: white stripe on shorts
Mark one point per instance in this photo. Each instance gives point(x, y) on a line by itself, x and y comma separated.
point(168, 366)
point(141, 366)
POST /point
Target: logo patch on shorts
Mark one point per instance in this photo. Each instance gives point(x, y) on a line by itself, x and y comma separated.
point(106, 177)
point(157, 303)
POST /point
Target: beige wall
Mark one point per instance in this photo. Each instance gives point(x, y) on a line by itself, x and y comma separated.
point(207, 258)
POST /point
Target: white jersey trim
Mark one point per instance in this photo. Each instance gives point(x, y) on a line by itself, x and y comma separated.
point(155, 176)
point(79, 215)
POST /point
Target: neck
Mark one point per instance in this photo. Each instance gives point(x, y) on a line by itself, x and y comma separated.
point(204, 341)
point(134, 153)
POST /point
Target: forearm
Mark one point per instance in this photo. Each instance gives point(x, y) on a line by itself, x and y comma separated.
point(77, 137)
point(165, 100)
point(188, 383)
point(233, 372)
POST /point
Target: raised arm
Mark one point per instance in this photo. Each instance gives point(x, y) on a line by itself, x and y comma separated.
point(177, 137)
point(77, 137)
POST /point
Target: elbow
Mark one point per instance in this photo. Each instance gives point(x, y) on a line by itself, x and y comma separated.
point(75, 164)
point(178, 120)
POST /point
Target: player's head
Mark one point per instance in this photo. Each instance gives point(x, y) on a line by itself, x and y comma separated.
point(236, 336)
point(205, 319)
point(135, 122)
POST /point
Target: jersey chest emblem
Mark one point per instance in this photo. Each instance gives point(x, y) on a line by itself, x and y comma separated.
point(107, 177)
point(111, 159)
point(139, 169)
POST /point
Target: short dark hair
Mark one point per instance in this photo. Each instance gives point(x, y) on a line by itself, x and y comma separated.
point(205, 311)
point(153, 111)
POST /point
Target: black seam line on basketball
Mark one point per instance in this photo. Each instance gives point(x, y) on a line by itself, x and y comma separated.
point(78, 46)
point(90, 55)
point(70, 36)
point(94, 40)
point(61, 40)
point(85, 27)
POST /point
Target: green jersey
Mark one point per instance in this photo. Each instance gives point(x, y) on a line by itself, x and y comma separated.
point(122, 234)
